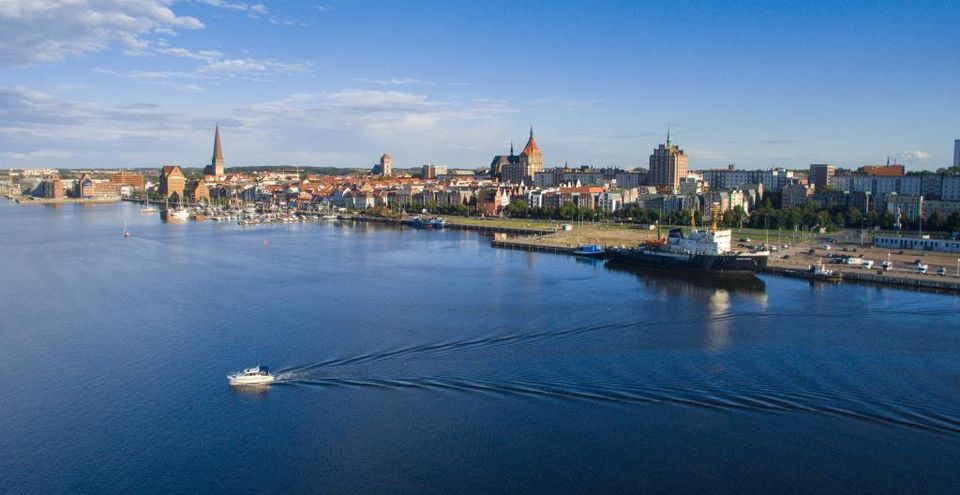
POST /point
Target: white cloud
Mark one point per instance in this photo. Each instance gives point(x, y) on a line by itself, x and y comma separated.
point(250, 67)
point(204, 55)
point(915, 155)
point(40, 31)
point(331, 128)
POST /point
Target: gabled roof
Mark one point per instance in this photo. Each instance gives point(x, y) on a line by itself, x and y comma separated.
point(169, 169)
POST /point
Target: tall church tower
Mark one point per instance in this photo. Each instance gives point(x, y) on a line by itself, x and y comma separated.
point(386, 165)
point(217, 163)
point(532, 157)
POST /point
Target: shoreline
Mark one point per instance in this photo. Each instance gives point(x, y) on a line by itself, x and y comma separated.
point(30, 200)
point(558, 242)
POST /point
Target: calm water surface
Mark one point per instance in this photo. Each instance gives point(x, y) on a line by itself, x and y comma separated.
point(420, 361)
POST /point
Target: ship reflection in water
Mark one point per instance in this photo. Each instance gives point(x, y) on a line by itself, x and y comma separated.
point(718, 324)
point(683, 281)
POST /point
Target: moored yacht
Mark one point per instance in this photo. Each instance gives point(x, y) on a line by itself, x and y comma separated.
point(258, 375)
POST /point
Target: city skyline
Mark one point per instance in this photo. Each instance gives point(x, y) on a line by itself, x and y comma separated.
point(143, 83)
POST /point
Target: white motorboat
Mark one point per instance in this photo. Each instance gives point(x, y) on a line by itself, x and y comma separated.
point(258, 375)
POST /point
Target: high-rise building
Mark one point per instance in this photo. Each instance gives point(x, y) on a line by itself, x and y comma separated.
point(956, 152)
point(668, 165)
point(820, 174)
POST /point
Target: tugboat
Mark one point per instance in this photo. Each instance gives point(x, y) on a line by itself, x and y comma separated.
point(590, 251)
point(702, 250)
point(258, 375)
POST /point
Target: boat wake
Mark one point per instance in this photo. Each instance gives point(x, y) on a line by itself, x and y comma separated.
point(756, 400)
point(755, 394)
point(558, 335)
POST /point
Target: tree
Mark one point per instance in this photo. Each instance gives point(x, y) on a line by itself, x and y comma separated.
point(518, 208)
point(853, 217)
point(953, 222)
point(937, 221)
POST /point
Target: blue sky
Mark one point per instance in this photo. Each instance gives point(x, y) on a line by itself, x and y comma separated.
point(336, 83)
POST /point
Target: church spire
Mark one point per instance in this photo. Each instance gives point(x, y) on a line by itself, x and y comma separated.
point(511, 147)
point(668, 136)
point(531, 132)
point(217, 162)
point(217, 154)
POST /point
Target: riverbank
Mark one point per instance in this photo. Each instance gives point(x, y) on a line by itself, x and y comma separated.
point(790, 260)
point(30, 200)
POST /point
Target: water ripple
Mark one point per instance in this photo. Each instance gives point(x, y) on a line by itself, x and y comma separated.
point(767, 401)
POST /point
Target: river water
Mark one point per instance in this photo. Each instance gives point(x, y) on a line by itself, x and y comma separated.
point(420, 361)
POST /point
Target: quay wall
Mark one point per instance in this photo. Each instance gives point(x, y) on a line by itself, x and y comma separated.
point(454, 225)
point(30, 200)
point(858, 276)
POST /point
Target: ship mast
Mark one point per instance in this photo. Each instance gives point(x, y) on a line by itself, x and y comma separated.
point(714, 213)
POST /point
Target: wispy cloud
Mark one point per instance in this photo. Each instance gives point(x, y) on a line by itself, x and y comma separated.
point(396, 81)
point(250, 67)
point(214, 67)
point(253, 11)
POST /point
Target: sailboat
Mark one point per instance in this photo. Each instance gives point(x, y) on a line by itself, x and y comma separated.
point(180, 213)
point(126, 233)
point(147, 207)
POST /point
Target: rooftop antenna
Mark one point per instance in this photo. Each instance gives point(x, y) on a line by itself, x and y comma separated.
point(668, 135)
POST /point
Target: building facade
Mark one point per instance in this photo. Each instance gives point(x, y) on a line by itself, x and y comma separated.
point(172, 181)
point(773, 180)
point(52, 188)
point(129, 179)
point(794, 195)
point(668, 165)
point(820, 174)
point(523, 169)
point(385, 167)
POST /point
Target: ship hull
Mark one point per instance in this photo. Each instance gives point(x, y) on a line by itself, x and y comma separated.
point(728, 264)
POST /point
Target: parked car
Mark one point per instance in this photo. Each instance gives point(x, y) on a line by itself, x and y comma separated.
point(941, 271)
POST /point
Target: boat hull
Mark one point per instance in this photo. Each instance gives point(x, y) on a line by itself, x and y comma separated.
point(727, 264)
point(590, 254)
point(250, 380)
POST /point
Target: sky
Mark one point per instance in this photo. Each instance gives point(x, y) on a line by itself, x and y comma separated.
point(142, 83)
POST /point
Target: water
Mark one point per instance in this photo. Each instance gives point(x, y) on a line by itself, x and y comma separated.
point(418, 361)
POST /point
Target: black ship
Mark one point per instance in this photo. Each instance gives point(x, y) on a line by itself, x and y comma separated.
point(701, 251)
